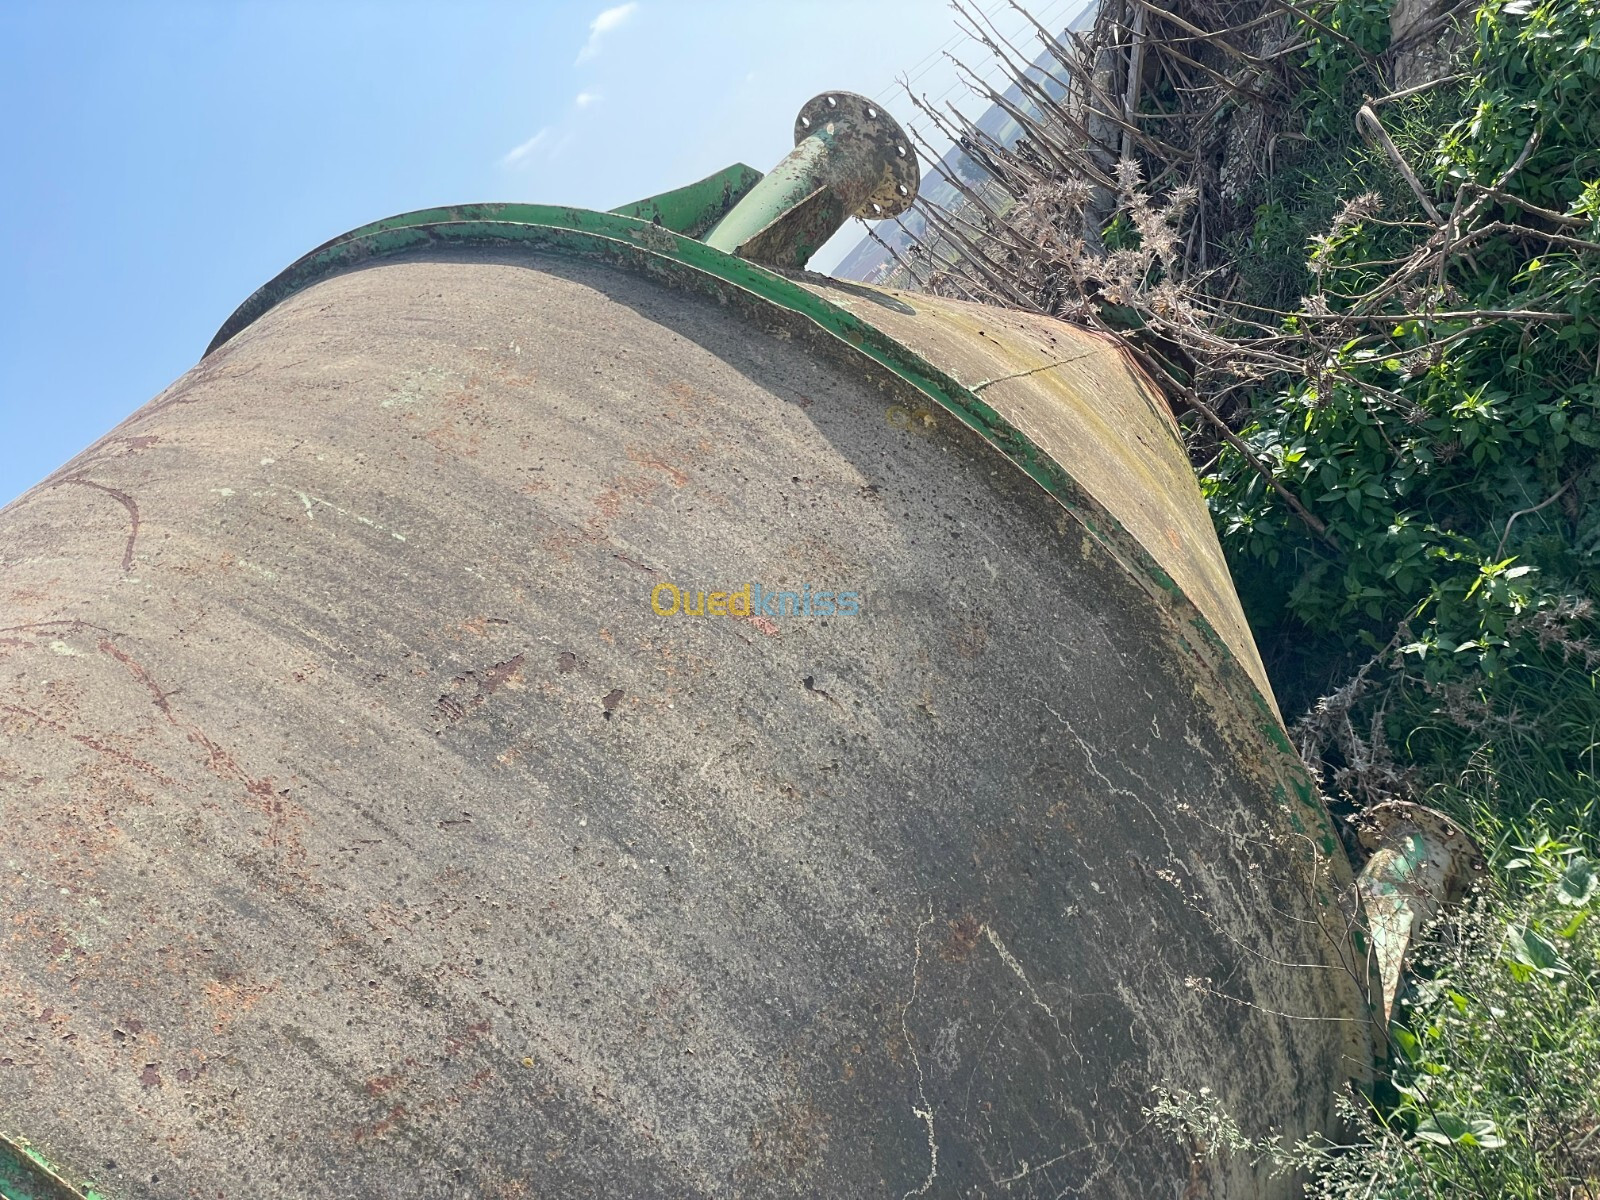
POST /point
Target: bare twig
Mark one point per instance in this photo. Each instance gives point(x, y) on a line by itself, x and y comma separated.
point(1528, 512)
point(1372, 129)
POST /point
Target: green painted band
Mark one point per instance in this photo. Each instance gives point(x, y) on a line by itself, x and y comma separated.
point(26, 1176)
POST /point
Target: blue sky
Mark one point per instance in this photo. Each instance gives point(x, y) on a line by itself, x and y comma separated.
point(164, 159)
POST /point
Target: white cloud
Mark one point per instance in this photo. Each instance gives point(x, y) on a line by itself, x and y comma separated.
point(518, 153)
point(611, 18)
point(551, 140)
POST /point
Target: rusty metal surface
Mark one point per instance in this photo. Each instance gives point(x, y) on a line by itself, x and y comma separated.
point(633, 244)
point(366, 831)
point(1076, 396)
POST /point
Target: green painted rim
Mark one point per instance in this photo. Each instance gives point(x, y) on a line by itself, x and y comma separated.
point(25, 1175)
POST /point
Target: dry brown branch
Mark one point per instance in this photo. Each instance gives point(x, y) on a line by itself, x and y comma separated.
point(1528, 512)
point(1193, 95)
point(1372, 129)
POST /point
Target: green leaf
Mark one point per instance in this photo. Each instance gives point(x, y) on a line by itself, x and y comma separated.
point(1528, 949)
point(1406, 1043)
point(1473, 1129)
point(1578, 883)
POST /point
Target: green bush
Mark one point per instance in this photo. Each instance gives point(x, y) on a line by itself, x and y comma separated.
point(1451, 450)
point(1455, 460)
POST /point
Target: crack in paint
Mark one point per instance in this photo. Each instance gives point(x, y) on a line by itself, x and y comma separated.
point(924, 1113)
point(978, 387)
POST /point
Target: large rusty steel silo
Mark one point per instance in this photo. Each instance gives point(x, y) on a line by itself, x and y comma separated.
point(376, 822)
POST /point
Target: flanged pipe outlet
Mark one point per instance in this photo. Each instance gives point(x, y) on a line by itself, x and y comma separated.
point(850, 159)
point(1420, 861)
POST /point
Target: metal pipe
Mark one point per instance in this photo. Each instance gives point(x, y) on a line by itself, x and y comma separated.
point(850, 159)
point(1420, 861)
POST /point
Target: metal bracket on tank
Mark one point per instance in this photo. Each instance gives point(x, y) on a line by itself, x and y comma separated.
point(1420, 861)
point(694, 209)
point(850, 159)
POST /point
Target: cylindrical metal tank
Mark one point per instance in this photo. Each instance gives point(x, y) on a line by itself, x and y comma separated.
point(369, 828)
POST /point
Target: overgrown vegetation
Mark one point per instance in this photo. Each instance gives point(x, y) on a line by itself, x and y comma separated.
point(1493, 1088)
point(1367, 273)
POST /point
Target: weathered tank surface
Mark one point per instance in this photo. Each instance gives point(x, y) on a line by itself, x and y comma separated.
point(368, 830)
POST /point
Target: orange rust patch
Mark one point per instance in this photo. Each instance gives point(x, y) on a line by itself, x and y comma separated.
point(618, 493)
point(230, 1001)
point(379, 1084)
point(283, 819)
point(962, 940)
point(645, 459)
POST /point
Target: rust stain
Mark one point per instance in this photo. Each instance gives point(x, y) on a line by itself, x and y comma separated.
point(617, 493)
point(232, 1001)
point(31, 595)
point(83, 739)
point(220, 761)
point(466, 420)
point(632, 563)
point(395, 1116)
point(507, 674)
point(471, 1034)
point(645, 459)
point(121, 498)
point(962, 940)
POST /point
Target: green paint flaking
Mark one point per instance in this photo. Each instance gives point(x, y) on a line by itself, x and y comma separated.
point(25, 1174)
